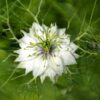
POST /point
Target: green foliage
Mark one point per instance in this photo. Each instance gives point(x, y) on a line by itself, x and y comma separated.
point(82, 22)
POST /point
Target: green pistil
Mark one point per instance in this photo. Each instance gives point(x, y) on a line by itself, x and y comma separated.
point(46, 46)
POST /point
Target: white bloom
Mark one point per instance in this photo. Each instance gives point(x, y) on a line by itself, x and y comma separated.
point(45, 51)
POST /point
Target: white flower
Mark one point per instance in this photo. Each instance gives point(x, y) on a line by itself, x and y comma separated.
point(45, 51)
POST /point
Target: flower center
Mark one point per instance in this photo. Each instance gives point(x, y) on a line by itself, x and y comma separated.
point(47, 46)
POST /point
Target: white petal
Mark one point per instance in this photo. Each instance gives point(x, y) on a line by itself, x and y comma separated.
point(53, 28)
point(26, 41)
point(57, 65)
point(51, 74)
point(24, 55)
point(73, 47)
point(42, 77)
point(61, 31)
point(28, 65)
point(23, 44)
point(65, 40)
point(76, 55)
point(68, 58)
point(37, 27)
point(54, 68)
point(39, 67)
point(44, 27)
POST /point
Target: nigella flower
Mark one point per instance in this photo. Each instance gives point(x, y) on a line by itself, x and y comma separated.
point(45, 51)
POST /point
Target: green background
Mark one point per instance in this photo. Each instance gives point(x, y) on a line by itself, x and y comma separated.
point(81, 21)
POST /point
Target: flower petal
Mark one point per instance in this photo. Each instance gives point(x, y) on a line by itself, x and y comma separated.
point(61, 31)
point(68, 58)
point(39, 67)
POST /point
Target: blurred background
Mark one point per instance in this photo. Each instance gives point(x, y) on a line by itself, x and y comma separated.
point(81, 18)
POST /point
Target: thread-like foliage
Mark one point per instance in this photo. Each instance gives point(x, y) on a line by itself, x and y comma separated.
point(81, 20)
